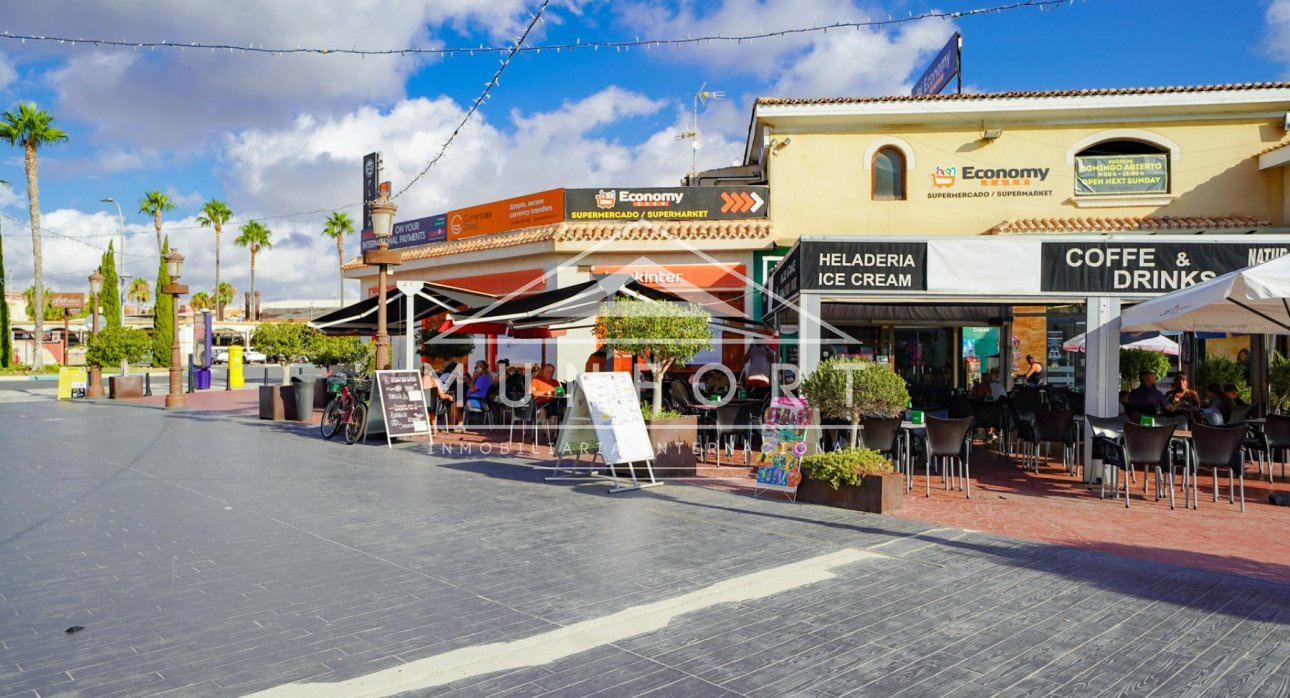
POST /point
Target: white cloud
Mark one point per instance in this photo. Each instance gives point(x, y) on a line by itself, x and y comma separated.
point(1278, 30)
point(7, 71)
point(9, 196)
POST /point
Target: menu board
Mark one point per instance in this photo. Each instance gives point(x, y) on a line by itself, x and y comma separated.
point(615, 412)
point(779, 466)
point(403, 403)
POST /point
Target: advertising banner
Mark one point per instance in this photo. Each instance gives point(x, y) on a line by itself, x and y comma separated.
point(371, 175)
point(1146, 267)
point(418, 231)
point(785, 281)
point(1122, 174)
point(667, 203)
point(861, 266)
point(708, 277)
point(942, 68)
point(779, 466)
point(543, 208)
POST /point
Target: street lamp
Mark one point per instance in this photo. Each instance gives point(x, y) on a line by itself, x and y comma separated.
point(95, 388)
point(383, 257)
point(175, 399)
point(120, 260)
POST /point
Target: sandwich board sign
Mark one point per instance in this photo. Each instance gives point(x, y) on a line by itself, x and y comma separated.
point(604, 417)
point(402, 405)
point(779, 466)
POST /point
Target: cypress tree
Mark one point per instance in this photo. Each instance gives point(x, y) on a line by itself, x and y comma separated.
point(110, 299)
point(163, 330)
point(6, 341)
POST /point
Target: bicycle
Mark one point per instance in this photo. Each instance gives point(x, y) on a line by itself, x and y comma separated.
point(348, 410)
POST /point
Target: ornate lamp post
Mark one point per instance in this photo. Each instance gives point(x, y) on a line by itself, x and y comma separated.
point(175, 399)
point(383, 258)
point(95, 387)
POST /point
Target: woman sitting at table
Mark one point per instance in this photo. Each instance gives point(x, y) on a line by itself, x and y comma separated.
point(545, 389)
point(1182, 398)
point(1219, 409)
point(481, 382)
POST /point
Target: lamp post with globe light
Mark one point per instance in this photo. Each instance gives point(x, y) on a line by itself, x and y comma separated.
point(383, 258)
point(95, 387)
point(175, 399)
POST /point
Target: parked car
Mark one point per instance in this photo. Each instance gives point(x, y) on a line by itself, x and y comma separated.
point(249, 356)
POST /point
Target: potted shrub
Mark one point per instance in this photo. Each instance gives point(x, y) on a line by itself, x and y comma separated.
point(856, 478)
point(663, 334)
point(851, 388)
point(116, 345)
point(281, 342)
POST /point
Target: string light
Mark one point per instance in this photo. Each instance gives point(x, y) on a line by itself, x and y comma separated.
point(512, 49)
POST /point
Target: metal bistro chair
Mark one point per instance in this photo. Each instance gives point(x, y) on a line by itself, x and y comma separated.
point(1057, 427)
point(524, 415)
point(1150, 447)
point(947, 439)
point(1105, 434)
point(993, 415)
point(1220, 448)
point(1274, 437)
point(1021, 420)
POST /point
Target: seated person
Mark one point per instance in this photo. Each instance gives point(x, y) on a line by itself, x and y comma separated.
point(997, 389)
point(544, 387)
point(1229, 390)
point(757, 368)
point(1182, 398)
point(1124, 401)
point(481, 382)
point(1146, 396)
point(431, 385)
point(1219, 409)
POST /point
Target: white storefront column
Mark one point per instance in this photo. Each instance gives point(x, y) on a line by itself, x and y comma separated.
point(808, 333)
point(1102, 374)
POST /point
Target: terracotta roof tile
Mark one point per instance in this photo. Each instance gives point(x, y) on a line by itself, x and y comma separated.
point(1103, 92)
point(1273, 147)
point(591, 232)
point(1119, 225)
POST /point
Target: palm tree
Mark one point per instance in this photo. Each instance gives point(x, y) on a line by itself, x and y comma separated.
point(200, 301)
point(32, 128)
point(140, 292)
point(215, 214)
point(225, 293)
point(154, 203)
point(254, 237)
point(337, 227)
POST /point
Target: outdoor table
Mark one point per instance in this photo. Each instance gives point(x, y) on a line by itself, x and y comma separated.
point(1190, 488)
point(909, 430)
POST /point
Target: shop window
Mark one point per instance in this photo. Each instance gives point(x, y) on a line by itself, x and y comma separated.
point(1122, 167)
point(889, 175)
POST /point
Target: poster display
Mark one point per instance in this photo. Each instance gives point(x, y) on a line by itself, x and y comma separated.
point(542, 208)
point(371, 175)
point(615, 411)
point(418, 231)
point(403, 404)
point(1121, 174)
point(779, 466)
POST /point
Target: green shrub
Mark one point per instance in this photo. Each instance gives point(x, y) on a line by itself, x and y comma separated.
point(325, 351)
point(116, 344)
point(845, 467)
point(1134, 361)
point(649, 414)
point(1279, 381)
point(1217, 369)
point(663, 334)
point(453, 347)
point(851, 388)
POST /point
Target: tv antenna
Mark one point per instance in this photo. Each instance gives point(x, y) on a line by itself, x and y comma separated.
point(702, 97)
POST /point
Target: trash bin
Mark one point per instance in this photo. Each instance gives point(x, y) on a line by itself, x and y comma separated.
point(203, 378)
point(304, 398)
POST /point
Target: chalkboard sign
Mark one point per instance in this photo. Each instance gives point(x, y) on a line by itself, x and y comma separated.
point(403, 404)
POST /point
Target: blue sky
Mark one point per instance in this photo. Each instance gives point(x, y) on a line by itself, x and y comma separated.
point(273, 135)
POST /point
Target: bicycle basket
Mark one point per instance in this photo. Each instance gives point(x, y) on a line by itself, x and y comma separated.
point(335, 383)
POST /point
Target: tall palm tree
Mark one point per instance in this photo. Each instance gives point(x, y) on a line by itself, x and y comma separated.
point(154, 203)
point(31, 128)
point(215, 214)
point(200, 301)
point(337, 227)
point(225, 293)
point(254, 237)
point(140, 292)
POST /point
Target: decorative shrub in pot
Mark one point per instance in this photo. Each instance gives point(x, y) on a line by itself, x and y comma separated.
point(857, 478)
point(673, 436)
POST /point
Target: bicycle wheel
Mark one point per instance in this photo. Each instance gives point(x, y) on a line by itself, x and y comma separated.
point(357, 424)
point(332, 419)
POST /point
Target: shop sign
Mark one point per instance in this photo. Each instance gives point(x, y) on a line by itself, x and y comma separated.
point(67, 301)
point(667, 203)
point(683, 276)
point(1130, 267)
point(943, 67)
point(863, 266)
point(1122, 174)
point(371, 175)
point(785, 281)
point(419, 231)
point(976, 182)
point(779, 465)
point(543, 208)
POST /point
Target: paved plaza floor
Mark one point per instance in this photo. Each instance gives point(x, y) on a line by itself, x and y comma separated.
point(208, 553)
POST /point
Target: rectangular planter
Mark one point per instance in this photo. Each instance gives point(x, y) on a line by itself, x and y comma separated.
point(674, 441)
point(876, 494)
point(277, 402)
point(125, 387)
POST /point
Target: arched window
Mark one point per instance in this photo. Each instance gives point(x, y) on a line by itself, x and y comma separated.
point(888, 174)
point(1122, 166)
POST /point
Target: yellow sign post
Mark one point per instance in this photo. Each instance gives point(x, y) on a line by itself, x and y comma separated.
point(71, 382)
point(235, 379)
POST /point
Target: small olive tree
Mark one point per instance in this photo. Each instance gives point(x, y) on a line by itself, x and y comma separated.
point(116, 345)
point(324, 351)
point(283, 342)
point(663, 334)
point(851, 388)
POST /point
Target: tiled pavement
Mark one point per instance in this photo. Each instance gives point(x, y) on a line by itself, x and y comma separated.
point(210, 554)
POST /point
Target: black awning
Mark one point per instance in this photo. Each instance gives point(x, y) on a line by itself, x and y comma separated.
point(360, 318)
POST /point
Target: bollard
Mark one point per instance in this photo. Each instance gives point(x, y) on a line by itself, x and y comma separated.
point(147, 384)
point(228, 377)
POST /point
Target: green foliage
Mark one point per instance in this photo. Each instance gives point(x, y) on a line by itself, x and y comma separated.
point(215, 213)
point(254, 237)
point(327, 351)
point(30, 127)
point(51, 313)
point(1217, 369)
point(110, 299)
point(225, 293)
point(201, 301)
point(25, 370)
point(851, 388)
point(338, 225)
point(664, 334)
point(140, 292)
point(117, 344)
point(6, 335)
point(1134, 361)
point(283, 341)
point(163, 328)
point(1279, 381)
point(155, 202)
point(432, 345)
point(647, 411)
point(845, 467)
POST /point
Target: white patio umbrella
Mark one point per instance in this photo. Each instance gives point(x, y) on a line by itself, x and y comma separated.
point(1255, 300)
point(1159, 344)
